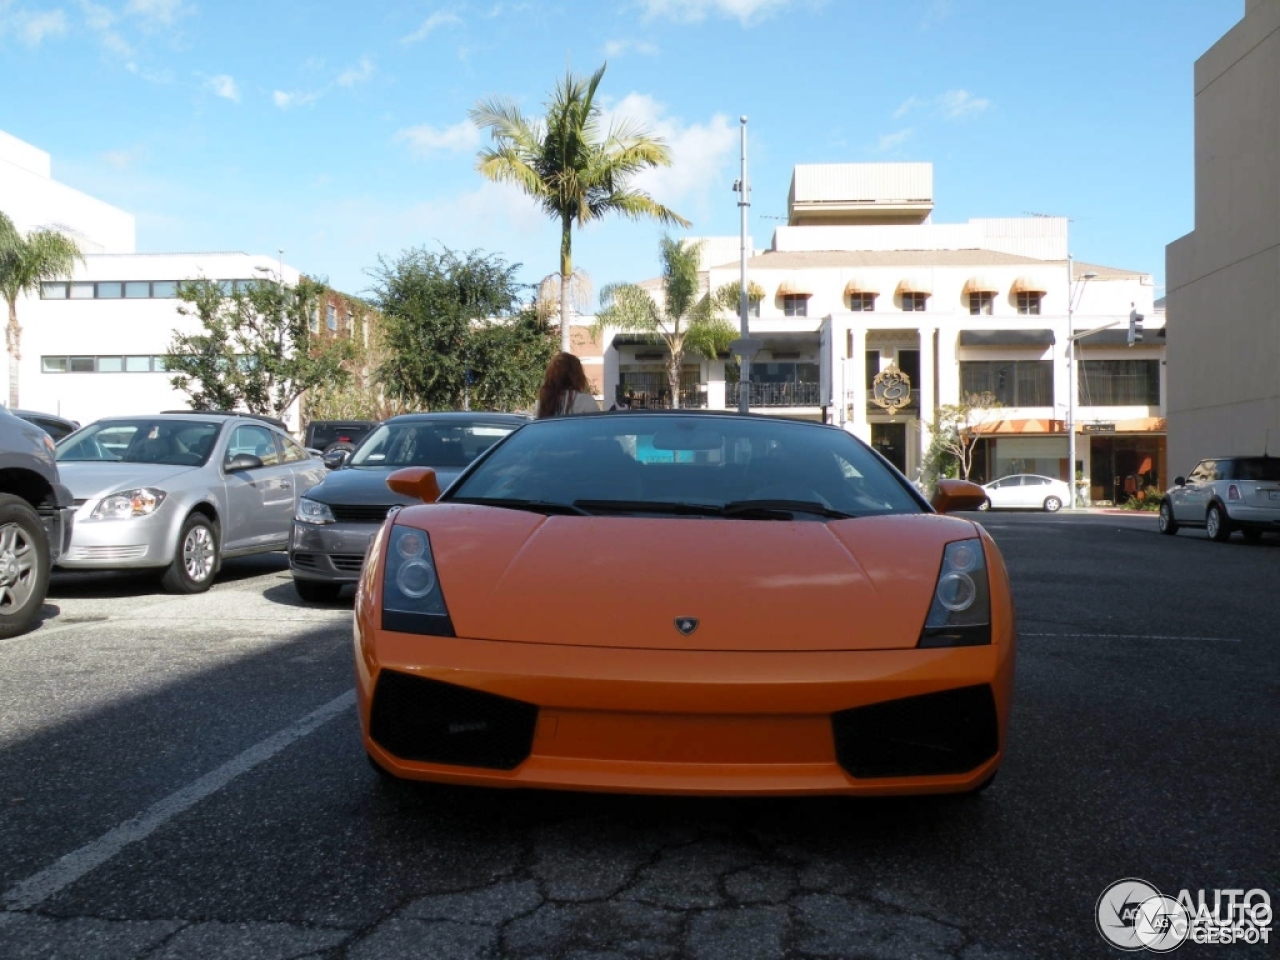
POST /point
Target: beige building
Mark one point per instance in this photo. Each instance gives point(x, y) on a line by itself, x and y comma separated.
point(873, 316)
point(1224, 276)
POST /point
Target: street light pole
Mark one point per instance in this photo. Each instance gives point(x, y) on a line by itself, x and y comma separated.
point(1072, 294)
point(744, 201)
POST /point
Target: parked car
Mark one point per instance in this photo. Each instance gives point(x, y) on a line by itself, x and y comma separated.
point(180, 492)
point(333, 436)
point(771, 609)
point(1223, 495)
point(36, 518)
point(52, 424)
point(337, 518)
point(1026, 491)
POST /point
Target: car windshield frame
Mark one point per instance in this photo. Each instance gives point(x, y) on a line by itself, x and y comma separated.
point(699, 464)
point(451, 444)
point(142, 440)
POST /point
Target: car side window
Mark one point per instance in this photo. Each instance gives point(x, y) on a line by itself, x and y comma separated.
point(1203, 471)
point(254, 440)
point(293, 451)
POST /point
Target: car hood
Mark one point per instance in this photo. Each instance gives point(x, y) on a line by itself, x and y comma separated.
point(861, 584)
point(368, 485)
point(88, 480)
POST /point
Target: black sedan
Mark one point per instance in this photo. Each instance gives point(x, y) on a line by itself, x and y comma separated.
point(337, 518)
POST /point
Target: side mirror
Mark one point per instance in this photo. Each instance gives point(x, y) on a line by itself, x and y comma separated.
point(420, 483)
point(951, 496)
point(242, 461)
point(1179, 481)
point(336, 459)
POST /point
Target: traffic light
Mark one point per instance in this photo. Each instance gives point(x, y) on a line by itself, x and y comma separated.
point(1135, 327)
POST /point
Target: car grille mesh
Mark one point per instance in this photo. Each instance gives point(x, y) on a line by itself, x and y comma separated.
point(952, 731)
point(360, 513)
point(416, 718)
point(347, 562)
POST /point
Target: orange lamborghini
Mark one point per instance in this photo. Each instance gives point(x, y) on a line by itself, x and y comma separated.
point(687, 603)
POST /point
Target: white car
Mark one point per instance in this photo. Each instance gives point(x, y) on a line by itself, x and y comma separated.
point(1026, 491)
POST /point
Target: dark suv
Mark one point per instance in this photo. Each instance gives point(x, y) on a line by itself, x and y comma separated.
point(1225, 494)
point(323, 435)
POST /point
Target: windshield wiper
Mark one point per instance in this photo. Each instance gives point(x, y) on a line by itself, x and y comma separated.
point(780, 509)
point(649, 506)
point(533, 506)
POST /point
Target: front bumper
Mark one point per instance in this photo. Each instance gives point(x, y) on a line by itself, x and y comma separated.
point(330, 552)
point(678, 722)
point(136, 543)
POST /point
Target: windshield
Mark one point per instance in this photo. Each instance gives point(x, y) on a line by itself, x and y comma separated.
point(725, 466)
point(422, 443)
point(177, 442)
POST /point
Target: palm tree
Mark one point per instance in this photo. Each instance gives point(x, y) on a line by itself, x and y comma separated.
point(565, 163)
point(686, 319)
point(24, 263)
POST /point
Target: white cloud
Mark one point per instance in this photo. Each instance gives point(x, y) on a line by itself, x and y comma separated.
point(952, 105)
point(33, 28)
point(357, 74)
point(620, 48)
point(223, 85)
point(162, 11)
point(692, 11)
point(286, 101)
point(700, 153)
point(122, 159)
point(425, 140)
point(438, 19)
point(102, 22)
point(891, 141)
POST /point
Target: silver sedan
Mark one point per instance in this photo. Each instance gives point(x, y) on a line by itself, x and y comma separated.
point(178, 493)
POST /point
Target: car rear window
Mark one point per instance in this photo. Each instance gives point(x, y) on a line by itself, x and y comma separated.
point(1257, 468)
point(323, 434)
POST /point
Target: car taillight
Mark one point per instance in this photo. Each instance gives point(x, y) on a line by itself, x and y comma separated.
point(1233, 492)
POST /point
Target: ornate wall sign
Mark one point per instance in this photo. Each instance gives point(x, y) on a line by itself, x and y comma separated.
point(891, 389)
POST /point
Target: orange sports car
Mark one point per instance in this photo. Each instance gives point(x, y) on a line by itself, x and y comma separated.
point(685, 603)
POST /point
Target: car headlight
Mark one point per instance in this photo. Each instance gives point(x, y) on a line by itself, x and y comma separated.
point(128, 504)
point(960, 613)
point(412, 601)
point(312, 511)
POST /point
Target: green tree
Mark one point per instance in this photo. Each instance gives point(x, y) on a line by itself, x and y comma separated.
point(24, 263)
point(684, 319)
point(444, 314)
point(576, 171)
point(257, 347)
point(955, 435)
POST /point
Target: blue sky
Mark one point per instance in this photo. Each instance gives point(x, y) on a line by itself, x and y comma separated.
point(338, 131)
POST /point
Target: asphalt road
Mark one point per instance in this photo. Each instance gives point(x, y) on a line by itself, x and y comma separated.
point(181, 777)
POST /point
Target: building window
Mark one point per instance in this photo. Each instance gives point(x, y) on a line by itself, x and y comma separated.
point(331, 319)
point(873, 367)
point(753, 309)
point(795, 304)
point(981, 302)
point(53, 291)
point(1119, 383)
point(113, 290)
point(1029, 303)
point(314, 324)
point(862, 302)
point(82, 291)
point(164, 289)
point(914, 302)
point(111, 364)
point(1015, 383)
point(137, 290)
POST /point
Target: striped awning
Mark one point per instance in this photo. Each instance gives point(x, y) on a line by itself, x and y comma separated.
point(916, 283)
point(1030, 285)
point(981, 283)
point(795, 287)
point(862, 286)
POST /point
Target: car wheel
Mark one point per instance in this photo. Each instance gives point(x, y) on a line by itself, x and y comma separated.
point(195, 561)
point(24, 565)
point(1052, 504)
point(1167, 523)
point(317, 591)
point(1216, 524)
point(985, 505)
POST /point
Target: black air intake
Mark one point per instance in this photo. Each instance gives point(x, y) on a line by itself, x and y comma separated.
point(952, 731)
point(415, 718)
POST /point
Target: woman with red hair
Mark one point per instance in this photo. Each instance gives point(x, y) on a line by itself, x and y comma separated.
point(565, 389)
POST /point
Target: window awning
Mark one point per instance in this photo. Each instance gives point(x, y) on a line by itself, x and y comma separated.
point(979, 283)
point(1030, 285)
point(862, 286)
point(915, 283)
point(1006, 338)
point(794, 287)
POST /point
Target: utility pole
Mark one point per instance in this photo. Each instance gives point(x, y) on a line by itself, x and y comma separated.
point(744, 347)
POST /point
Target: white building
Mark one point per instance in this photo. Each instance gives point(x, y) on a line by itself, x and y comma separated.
point(861, 282)
point(93, 346)
point(1224, 276)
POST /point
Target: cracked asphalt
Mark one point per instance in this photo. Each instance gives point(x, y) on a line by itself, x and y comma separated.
point(181, 777)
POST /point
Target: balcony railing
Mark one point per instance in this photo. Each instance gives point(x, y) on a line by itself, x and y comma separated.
point(691, 398)
point(776, 394)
